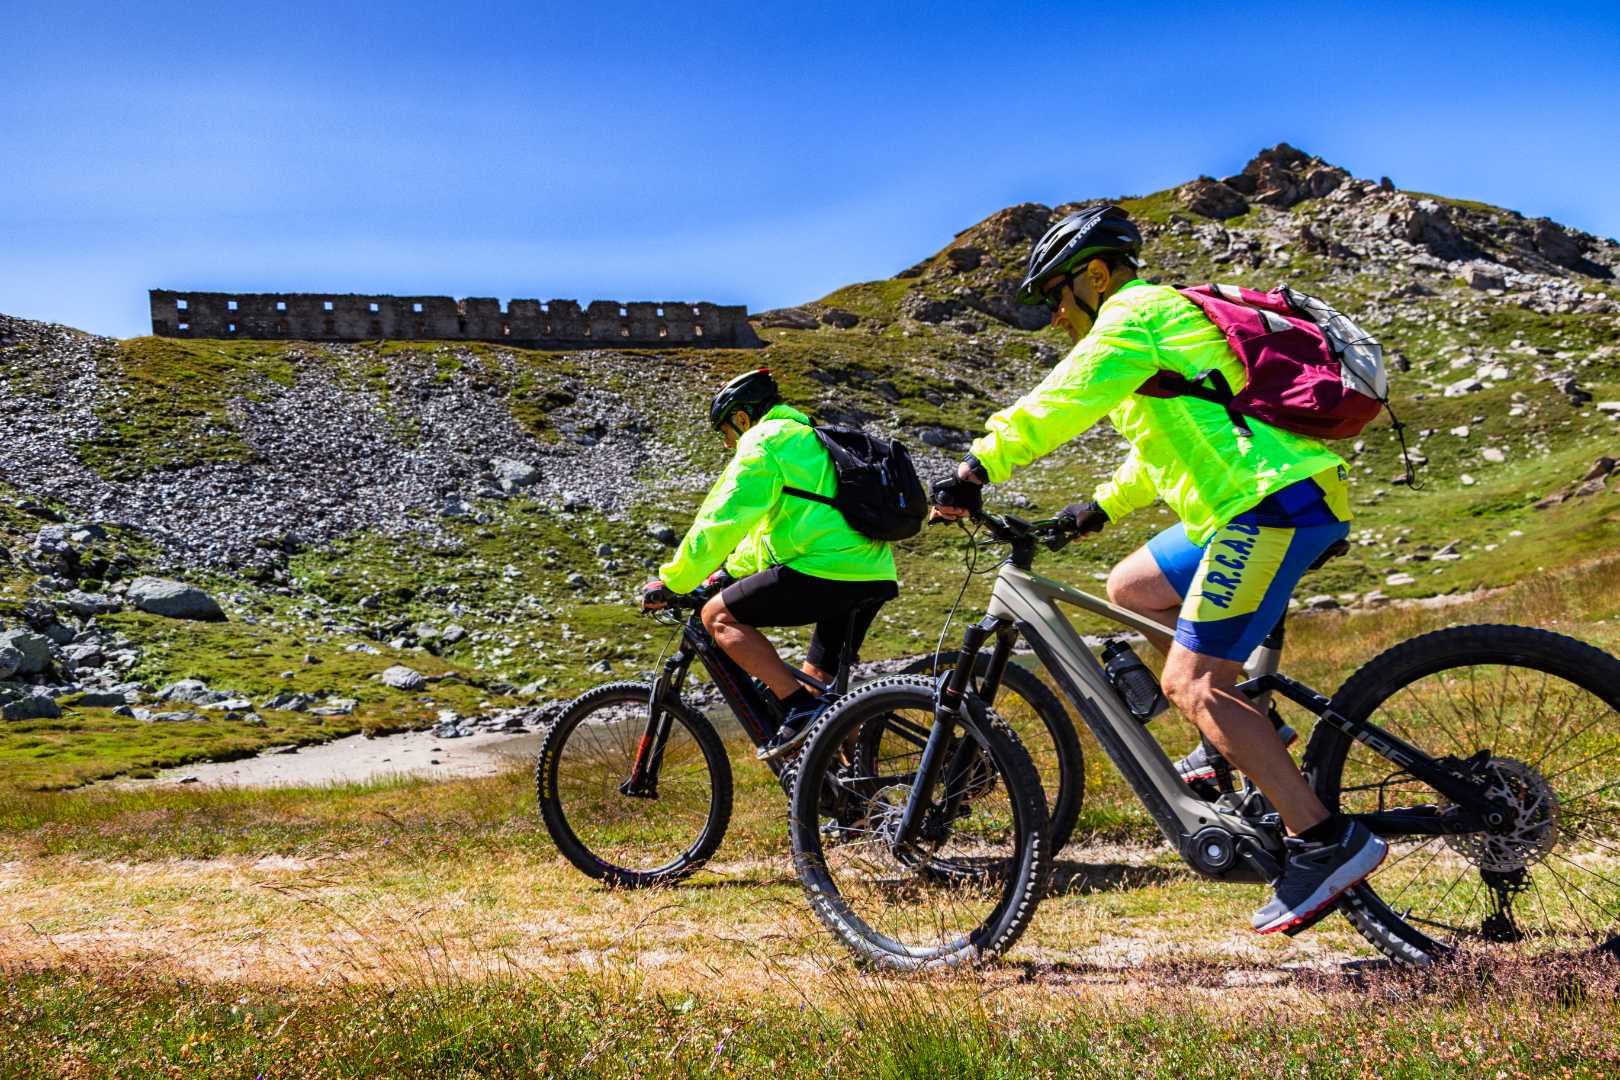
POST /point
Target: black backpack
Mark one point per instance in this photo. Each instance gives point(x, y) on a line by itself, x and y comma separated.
point(878, 491)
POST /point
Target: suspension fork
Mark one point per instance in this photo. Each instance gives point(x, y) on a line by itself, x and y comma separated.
point(948, 700)
point(643, 779)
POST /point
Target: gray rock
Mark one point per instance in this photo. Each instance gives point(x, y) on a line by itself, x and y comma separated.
point(453, 633)
point(101, 699)
point(401, 677)
point(34, 649)
point(1483, 277)
point(577, 581)
point(1400, 579)
point(964, 259)
point(456, 508)
point(793, 318)
point(30, 707)
point(190, 691)
point(335, 707)
point(601, 667)
point(230, 704)
point(87, 655)
point(173, 599)
point(85, 604)
point(1210, 198)
point(10, 660)
point(1464, 386)
point(840, 319)
point(663, 534)
point(289, 701)
point(1324, 602)
point(1493, 454)
point(513, 475)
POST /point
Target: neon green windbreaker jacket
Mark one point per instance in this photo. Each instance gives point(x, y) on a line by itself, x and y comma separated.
point(1182, 449)
point(747, 518)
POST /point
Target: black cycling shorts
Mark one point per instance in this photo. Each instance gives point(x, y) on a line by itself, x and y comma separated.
point(782, 596)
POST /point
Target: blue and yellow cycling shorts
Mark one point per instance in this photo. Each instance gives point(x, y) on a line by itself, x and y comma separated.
point(1236, 587)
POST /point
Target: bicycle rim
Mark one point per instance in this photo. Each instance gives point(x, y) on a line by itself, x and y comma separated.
point(1537, 712)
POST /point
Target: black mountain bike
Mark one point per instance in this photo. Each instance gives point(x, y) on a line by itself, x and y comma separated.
point(635, 785)
point(1487, 756)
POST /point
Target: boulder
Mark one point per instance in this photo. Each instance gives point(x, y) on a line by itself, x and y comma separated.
point(10, 660)
point(928, 309)
point(514, 475)
point(34, 649)
point(663, 534)
point(963, 259)
point(101, 699)
point(86, 605)
point(1556, 245)
point(401, 677)
point(173, 600)
point(839, 319)
point(790, 318)
point(1483, 277)
point(190, 692)
point(30, 707)
point(1212, 199)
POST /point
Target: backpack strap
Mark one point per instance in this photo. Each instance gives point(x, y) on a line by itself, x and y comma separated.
point(1207, 385)
point(800, 493)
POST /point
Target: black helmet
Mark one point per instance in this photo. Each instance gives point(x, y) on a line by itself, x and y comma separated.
point(753, 392)
point(1075, 241)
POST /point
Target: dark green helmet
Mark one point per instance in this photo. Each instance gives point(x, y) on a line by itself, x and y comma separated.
point(1075, 241)
point(753, 392)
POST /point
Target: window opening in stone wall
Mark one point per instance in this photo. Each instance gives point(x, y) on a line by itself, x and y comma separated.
point(697, 331)
point(230, 328)
point(660, 313)
point(695, 311)
point(281, 305)
point(281, 326)
point(546, 330)
point(416, 309)
point(587, 329)
point(506, 329)
point(185, 326)
point(663, 331)
point(326, 305)
point(376, 329)
point(374, 309)
point(622, 311)
point(230, 305)
point(180, 305)
point(624, 331)
point(545, 309)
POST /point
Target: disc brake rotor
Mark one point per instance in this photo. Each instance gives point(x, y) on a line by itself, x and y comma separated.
point(1535, 828)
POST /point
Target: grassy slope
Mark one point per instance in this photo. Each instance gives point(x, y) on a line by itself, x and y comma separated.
point(903, 373)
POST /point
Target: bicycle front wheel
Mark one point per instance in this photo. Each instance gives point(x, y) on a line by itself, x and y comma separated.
point(1036, 715)
point(657, 834)
point(969, 885)
point(1533, 715)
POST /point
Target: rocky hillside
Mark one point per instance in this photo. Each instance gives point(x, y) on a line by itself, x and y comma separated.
point(478, 514)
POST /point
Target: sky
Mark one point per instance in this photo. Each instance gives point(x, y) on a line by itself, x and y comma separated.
point(758, 153)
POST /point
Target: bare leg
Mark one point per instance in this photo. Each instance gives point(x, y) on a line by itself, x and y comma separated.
point(1202, 688)
point(1137, 584)
point(751, 649)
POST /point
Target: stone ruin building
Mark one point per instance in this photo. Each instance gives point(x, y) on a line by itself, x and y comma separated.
point(552, 324)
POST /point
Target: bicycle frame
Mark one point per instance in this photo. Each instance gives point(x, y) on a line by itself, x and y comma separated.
point(759, 718)
point(1224, 839)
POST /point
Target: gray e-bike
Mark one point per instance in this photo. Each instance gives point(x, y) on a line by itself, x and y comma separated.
point(1493, 770)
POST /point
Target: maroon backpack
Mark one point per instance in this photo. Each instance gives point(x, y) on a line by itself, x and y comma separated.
point(1310, 369)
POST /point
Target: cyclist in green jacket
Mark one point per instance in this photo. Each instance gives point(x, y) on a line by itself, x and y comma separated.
point(1256, 510)
point(796, 561)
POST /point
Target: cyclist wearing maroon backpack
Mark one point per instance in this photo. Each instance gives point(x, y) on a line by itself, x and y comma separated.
point(1258, 504)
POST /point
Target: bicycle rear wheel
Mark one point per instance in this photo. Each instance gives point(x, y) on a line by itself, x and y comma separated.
point(970, 887)
point(657, 836)
point(1535, 716)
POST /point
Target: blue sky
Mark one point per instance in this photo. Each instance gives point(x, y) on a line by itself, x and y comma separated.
point(756, 153)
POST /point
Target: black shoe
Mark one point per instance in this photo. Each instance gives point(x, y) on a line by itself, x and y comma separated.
point(1316, 875)
point(795, 727)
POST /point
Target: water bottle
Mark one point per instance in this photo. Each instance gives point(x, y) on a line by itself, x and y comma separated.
point(1134, 682)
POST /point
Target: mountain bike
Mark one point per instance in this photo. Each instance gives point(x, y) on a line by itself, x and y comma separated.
point(1487, 756)
point(635, 785)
